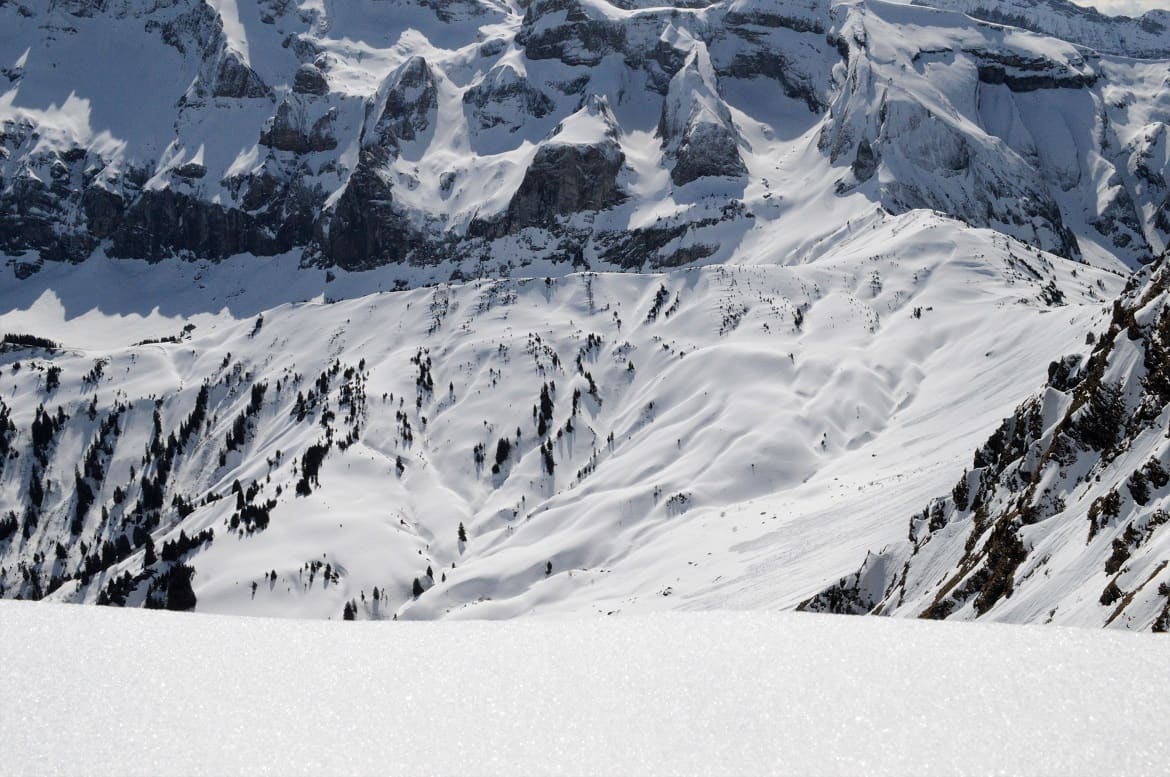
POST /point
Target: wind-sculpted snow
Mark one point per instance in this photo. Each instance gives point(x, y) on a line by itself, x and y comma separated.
point(728, 436)
point(424, 134)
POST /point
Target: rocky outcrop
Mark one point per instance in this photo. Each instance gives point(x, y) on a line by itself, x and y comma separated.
point(1029, 74)
point(574, 171)
point(797, 15)
point(1147, 36)
point(504, 98)
point(450, 11)
point(570, 31)
point(564, 179)
point(33, 211)
point(364, 227)
point(405, 108)
point(696, 126)
point(290, 130)
point(271, 10)
point(1119, 220)
point(235, 79)
point(931, 160)
point(866, 163)
point(164, 222)
point(707, 149)
point(310, 80)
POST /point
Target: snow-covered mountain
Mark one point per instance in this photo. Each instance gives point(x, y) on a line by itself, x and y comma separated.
point(463, 138)
point(1147, 36)
point(1060, 516)
point(403, 308)
point(710, 437)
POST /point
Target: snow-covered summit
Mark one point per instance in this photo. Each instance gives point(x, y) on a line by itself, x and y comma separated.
point(411, 133)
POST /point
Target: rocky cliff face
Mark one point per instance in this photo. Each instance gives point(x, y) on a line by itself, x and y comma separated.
point(434, 134)
point(1062, 515)
point(1148, 36)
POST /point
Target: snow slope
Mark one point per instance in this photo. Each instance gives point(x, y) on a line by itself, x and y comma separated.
point(717, 437)
point(406, 309)
point(135, 693)
point(1060, 516)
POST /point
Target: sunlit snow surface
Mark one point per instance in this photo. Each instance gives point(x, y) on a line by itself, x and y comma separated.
point(103, 691)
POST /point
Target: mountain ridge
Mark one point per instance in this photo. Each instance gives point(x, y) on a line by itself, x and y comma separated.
point(404, 309)
point(274, 139)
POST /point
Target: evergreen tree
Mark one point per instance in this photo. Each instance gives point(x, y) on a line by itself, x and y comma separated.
point(416, 589)
point(1103, 417)
point(180, 595)
point(462, 533)
point(961, 493)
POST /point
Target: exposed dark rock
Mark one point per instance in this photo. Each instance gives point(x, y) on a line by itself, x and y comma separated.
point(1119, 221)
point(103, 210)
point(271, 10)
point(736, 17)
point(200, 29)
point(162, 223)
point(305, 49)
point(190, 171)
point(310, 80)
point(364, 228)
point(1022, 74)
point(82, 8)
point(456, 10)
point(696, 126)
point(24, 270)
point(235, 79)
point(707, 149)
point(866, 162)
point(564, 179)
point(408, 107)
point(578, 40)
point(772, 64)
point(289, 130)
point(31, 213)
point(504, 97)
point(642, 248)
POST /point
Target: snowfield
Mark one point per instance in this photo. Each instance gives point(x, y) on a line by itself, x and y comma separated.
point(751, 433)
point(103, 691)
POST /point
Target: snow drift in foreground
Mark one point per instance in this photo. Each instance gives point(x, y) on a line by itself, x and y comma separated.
point(128, 692)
